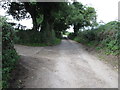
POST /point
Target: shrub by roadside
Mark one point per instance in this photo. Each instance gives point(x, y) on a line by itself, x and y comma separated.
point(33, 38)
point(9, 54)
point(105, 37)
point(105, 40)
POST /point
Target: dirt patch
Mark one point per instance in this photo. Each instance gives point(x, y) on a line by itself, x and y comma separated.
point(66, 65)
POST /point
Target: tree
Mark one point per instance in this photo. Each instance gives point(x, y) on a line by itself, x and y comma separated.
point(90, 17)
point(52, 12)
point(33, 11)
point(62, 20)
point(77, 16)
point(82, 16)
point(45, 12)
point(53, 17)
point(20, 10)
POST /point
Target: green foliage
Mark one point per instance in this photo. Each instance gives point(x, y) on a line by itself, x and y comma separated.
point(9, 55)
point(54, 17)
point(82, 16)
point(104, 37)
point(71, 36)
point(86, 36)
point(28, 36)
point(33, 38)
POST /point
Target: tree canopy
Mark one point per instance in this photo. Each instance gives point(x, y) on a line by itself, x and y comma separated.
point(54, 17)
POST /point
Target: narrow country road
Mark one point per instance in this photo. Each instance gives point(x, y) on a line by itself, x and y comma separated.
point(67, 65)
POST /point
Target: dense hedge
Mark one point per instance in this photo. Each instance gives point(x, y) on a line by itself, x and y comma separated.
point(33, 38)
point(28, 36)
point(104, 37)
point(9, 55)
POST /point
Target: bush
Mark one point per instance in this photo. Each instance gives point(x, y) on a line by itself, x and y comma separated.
point(9, 54)
point(71, 36)
point(28, 36)
point(105, 37)
point(34, 38)
point(86, 36)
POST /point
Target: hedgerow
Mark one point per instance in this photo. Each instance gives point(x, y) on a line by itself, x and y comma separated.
point(9, 54)
point(104, 37)
point(33, 38)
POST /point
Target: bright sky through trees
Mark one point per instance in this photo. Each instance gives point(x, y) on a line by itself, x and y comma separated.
point(107, 10)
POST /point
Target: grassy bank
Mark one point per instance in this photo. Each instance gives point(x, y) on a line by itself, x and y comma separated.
point(105, 37)
point(104, 40)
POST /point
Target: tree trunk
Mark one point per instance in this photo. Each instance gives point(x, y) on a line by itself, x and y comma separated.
point(33, 12)
point(34, 20)
point(76, 29)
point(47, 32)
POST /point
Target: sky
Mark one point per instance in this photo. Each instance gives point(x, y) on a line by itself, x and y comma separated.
point(107, 10)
